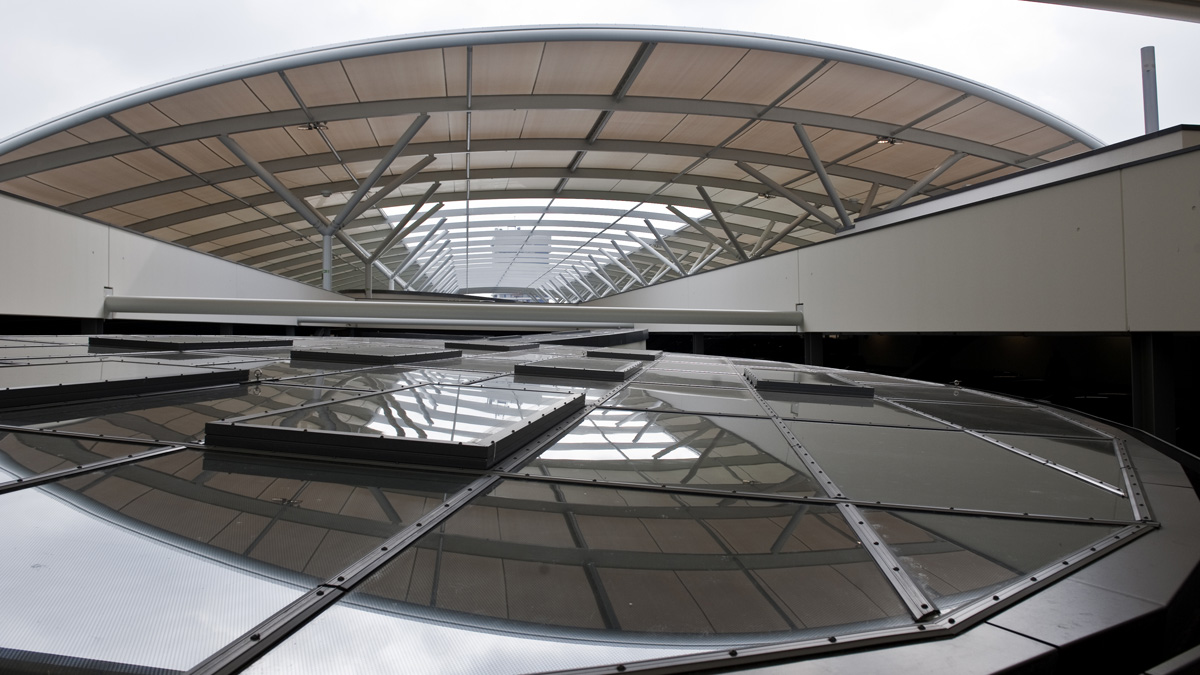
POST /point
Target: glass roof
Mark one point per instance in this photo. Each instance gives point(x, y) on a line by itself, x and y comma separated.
point(680, 516)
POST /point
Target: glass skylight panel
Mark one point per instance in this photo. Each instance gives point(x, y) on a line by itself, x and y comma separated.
point(849, 409)
point(429, 424)
point(568, 367)
point(615, 353)
point(712, 452)
point(383, 379)
point(374, 354)
point(690, 378)
point(27, 454)
point(1004, 419)
point(664, 397)
point(627, 577)
point(28, 385)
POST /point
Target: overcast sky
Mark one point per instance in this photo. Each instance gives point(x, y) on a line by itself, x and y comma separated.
point(1083, 65)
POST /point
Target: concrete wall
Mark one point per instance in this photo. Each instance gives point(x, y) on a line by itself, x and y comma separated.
point(1117, 251)
point(56, 264)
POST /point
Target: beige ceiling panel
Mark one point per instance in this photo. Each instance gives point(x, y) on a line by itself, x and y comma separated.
point(387, 130)
point(908, 159)
point(309, 140)
point(953, 111)
point(162, 205)
point(144, 118)
point(94, 178)
point(97, 130)
point(846, 187)
point(637, 186)
point(271, 90)
point(38, 192)
point(610, 160)
point(704, 130)
point(720, 168)
point(322, 84)
point(592, 184)
point(544, 158)
point(833, 146)
point(169, 234)
point(776, 137)
point(987, 123)
point(301, 178)
point(761, 77)
point(386, 77)
point(153, 164)
point(280, 209)
point(1069, 151)
point(492, 160)
point(584, 67)
point(436, 130)
point(487, 124)
point(640, 126)
point(847, 89)
point(202, 225)
point(245, 215)
point(59, 141)
point(967, 167)
point(489, 185)
point(668, 163)
point(231, 99)
point(115, 217)
point(208, 194)
point(455, 60)
point(245, 187)
point(911, 103)
point(559, 123)
point(268, 144)
point(685, 71)
point(197, 156)
point(351, 134)
point(1004, 170)
point(505, 69)
point(221, 151)
point(238, 238)
point(1037, 141)
point(335, 174)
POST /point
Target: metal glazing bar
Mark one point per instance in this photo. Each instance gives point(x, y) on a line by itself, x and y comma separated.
point(663, 242)
point(929, 178)
point(823, 176)
point(790, 196)
point(297, 204)
point(782, 233)
point(737, 245)
point(919, 605)
point(700, 228)
point(51, 476)
point(624, 256)
point(381, 167)
point(389, 188)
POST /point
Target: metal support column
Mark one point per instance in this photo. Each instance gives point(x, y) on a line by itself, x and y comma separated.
point(1153, 359)
point(1150, 89)
point(814, 349)
point(327, 262)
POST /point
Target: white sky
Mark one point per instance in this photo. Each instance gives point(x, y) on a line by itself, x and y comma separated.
point(1083, 65)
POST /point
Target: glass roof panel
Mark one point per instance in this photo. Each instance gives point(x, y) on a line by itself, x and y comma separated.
point(712, 452)
point(538, 579)
point(851, 409)
point(668, 398)
point(23, 455)
point(1010, 419)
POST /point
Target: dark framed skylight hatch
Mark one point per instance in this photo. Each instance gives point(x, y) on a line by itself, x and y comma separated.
point(492, 345)
point(441, 425)
point(802, 382)
point(373, 354)
point(167, 343)
point(608, 370)
point(30, 385)
point(637, 354)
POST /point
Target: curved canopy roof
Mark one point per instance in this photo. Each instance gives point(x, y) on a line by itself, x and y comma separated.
point(557, 156)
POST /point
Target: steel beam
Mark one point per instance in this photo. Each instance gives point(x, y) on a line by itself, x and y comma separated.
point(624, 256)
point(649, 248)
point(782, 233)
point(383, 165)
point(701, 229)
point(737, 245)
point(869, 201)
point(792, 197)
point(924, 182)
point(327, 262)
point(297, 204)
point(602, 274)
point(399, 231)
point(696, 265)
point(762, 238)
point(621, 266)
point(819, 167)
point(390, 187)
point(1149, 89)
point(412, 255)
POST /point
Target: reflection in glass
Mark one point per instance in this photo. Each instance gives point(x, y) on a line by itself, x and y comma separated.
point(163, 562)
point(656, 375)
point(949, 469)
point(593, 390)
point(944, 394)
point(849, 409)
point(533, 577)
point(171, 418)
point(958, 558)
point(1011, 419)
point(24, 455)
point(712, 452)
point(1095, 458)
point(662, 397)
point(383, 379)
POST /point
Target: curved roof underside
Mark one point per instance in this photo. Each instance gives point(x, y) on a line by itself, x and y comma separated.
point(548, 149)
